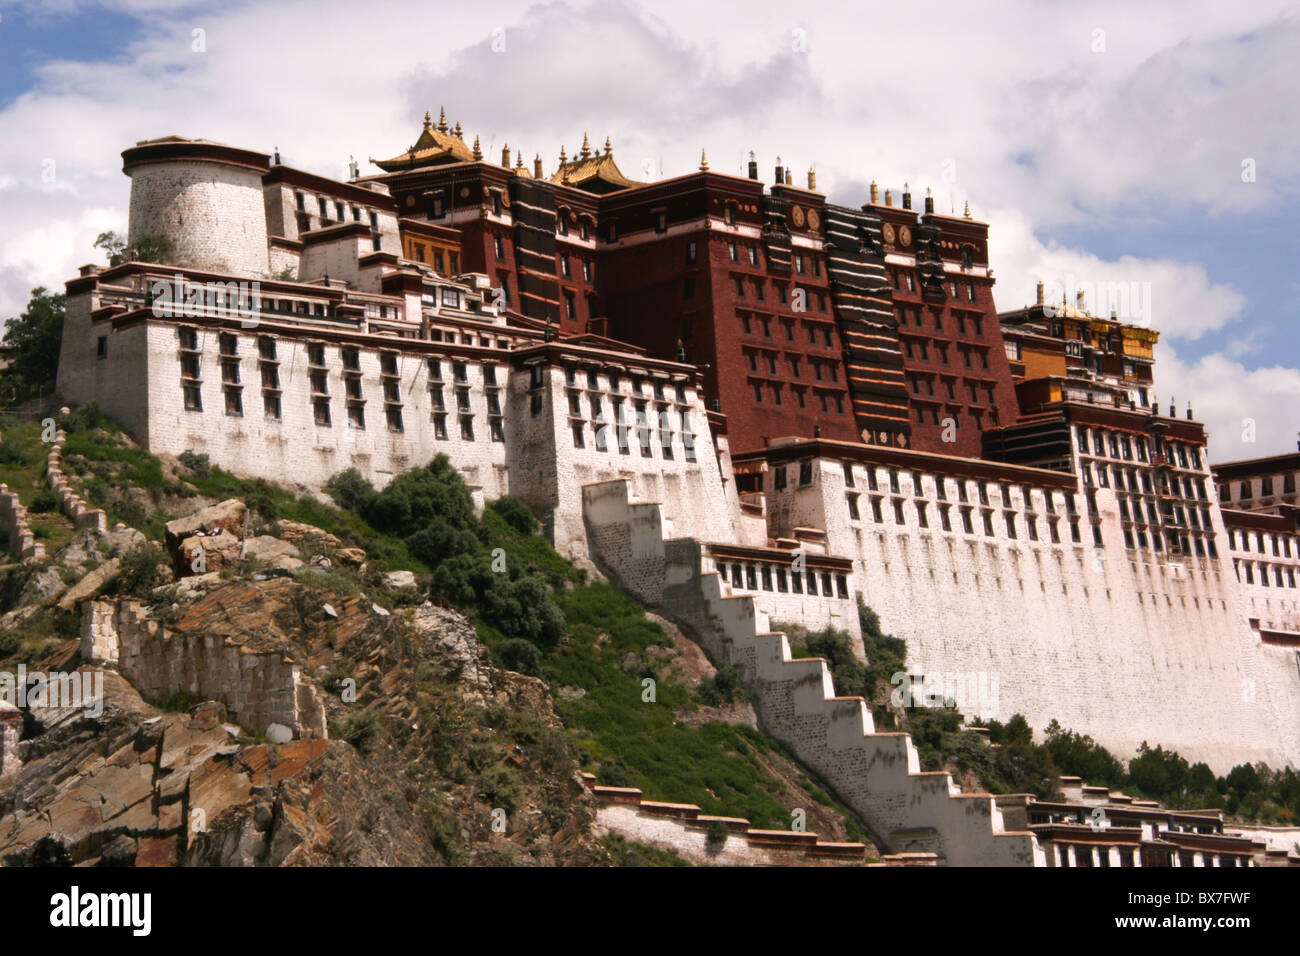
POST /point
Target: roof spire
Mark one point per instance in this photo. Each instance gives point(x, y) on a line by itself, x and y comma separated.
point(478, 153)
point(704, 162)
point(875, 190)
point(967, 213)
point(537, 166)
point(563, 158)
point(586, 147)
point(505, 155)
point(609, 150)
point(458, 133)
point(442, 119)
point(428, 121)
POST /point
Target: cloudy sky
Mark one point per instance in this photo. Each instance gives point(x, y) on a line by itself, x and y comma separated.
point(1151, 143)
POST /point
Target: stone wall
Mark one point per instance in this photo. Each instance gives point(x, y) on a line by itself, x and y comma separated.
point(70, 503)
point(683, 829)
point(878, 774)
point(13, 522)
point(11, 730)
point(259, 688)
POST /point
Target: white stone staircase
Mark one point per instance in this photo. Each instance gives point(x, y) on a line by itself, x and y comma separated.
point(878, 774)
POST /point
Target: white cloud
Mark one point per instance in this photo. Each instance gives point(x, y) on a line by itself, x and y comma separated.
point(1227, 396)
point(1041, 131)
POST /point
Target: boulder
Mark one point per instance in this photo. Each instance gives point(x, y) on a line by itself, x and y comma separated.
point(296, 532)
point(227, 516)
point(220, 550)
point(400, 580)
point(89, 585)
point(353, 556)
point(268, 548)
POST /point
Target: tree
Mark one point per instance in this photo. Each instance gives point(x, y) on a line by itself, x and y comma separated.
point(150, 248)
point(35, 336)
point(114, 247)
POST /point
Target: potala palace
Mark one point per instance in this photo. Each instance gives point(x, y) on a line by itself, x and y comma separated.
point(742, 404)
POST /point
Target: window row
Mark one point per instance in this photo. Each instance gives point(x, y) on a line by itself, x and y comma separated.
point(1240, 541)
point(969, 324)
point(1010, 520)
point(749, 324)
point(1267, 486)
point(778, 578)
point(1251, 572)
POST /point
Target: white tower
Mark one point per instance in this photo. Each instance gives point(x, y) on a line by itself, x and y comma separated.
point(205, 198)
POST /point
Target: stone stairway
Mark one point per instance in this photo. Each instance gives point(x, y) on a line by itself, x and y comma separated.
point(878, 774)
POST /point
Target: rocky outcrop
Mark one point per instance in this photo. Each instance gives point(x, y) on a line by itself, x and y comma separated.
point(134, 789)
point(252, 670)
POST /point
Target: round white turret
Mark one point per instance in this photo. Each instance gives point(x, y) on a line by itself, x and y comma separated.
point(205, 198)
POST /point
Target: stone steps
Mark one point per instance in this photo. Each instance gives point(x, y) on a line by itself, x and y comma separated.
point(878, 774)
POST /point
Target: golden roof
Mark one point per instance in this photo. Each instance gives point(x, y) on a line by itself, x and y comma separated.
point(594, 172)
point(435, 146)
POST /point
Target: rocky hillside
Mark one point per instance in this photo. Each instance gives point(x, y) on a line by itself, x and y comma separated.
point(280, 690)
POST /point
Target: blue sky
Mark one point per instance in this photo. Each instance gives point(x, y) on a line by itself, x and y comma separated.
point(30, 38)
point(1101, 140)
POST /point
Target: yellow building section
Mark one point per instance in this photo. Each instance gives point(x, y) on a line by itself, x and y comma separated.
point(1140, 342)
point(445, 259)
point(1042, 363)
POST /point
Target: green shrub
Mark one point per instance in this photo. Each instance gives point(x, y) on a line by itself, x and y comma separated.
point(515, 513)
point(86, 418)
point(723, 687)
point(11, 453)
point(500, 787)
point(358, 728)
point(141, 570)
point(717, 834)
point(518, 654)
point(45, 501)
point(351, 491)
point(196, 463)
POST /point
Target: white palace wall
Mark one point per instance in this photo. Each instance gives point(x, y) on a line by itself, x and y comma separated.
point(1124, 649)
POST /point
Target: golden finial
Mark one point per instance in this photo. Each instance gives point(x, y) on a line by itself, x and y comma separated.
point(875, 192)
point(889, 197)
point(519, 159)
point(967, 209)
point(505, 155)
point(428, 121)
point(478, 153)
point(537, 166)
point(812, 178)
point(442, 119)
point(563, 158)
point(608, 148)
point(586, 147)
point(457, 132)
point(704, 162)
